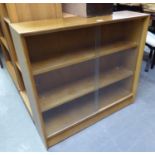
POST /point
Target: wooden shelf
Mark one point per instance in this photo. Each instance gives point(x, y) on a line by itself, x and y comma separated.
point(3, 40)
point(58, 120)
point(12, 73)
point(79, 56)
point(62, 61)
point(71, 91)
point(54, 25)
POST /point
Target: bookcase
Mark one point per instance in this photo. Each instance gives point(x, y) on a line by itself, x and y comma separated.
point(77, 71)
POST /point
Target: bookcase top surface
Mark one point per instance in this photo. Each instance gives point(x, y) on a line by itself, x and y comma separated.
point(54, 25)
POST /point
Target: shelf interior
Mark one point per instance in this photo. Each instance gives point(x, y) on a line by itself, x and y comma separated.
point(61, 86)
point(66, 93)
point(37, 27)
point(67, 115)
point(59, 43)
point(68, 59)
point(56, 50)
point(73, 69)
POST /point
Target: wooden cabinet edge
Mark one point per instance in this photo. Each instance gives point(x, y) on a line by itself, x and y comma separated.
point(85, 22)
point(21, 50)
point(140, 55)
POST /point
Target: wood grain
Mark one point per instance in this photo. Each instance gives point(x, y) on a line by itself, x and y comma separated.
point(24, 62)
point(52, 140)
point(21, 12)
point(58, 120)
point(71, 58)
point(71, 91)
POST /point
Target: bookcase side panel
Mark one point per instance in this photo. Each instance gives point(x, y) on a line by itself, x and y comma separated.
point(29, 82)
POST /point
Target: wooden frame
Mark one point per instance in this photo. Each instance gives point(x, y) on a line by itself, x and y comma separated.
point(9, 51)
point(11, 57)
point(14, 13)
point(20, 12)
point(118, 80)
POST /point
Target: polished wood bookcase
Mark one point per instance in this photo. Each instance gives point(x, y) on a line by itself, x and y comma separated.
point(77, 71)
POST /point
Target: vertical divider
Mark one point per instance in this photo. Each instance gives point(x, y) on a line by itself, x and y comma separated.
point(79, 116)
point(13, 55)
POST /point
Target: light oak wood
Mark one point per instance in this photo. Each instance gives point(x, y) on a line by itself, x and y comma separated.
point(78, 70)
point(21, 12)
point(12, 72)
point(58, 9)
point(68, 92)
point(22, 54)
point(60, 43)
point(79, 56)
point(89, 121)
point(18, 66)
point(54, 25)
point(142, 33)
point(58, 120)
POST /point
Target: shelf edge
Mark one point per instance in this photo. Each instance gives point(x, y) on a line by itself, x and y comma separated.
point(130, 73)
point(129, 46)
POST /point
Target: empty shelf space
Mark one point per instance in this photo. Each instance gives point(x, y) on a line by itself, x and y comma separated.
point(113, 94)
point(62, 61)
point(76, 89)
point(79, 56)
point(61, 118)
point(116, 47)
